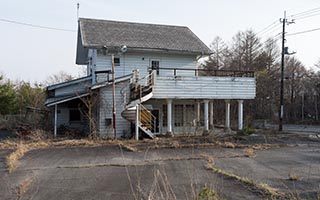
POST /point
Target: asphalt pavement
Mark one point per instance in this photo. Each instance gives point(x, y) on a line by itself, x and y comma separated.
point(108, 172)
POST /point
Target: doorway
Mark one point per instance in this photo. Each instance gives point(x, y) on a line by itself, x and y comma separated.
point(156, 114)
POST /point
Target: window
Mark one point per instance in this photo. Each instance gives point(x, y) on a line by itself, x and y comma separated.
point(165, 115)
point(190, 115)
point(74, 115)
point(178, 115)
point(116, 61)
point(155, 64)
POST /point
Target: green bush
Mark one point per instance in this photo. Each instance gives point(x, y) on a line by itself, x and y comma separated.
point(207, 193)
point(246, 131)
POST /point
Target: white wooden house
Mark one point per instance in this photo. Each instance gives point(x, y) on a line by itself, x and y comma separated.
point(158, 87)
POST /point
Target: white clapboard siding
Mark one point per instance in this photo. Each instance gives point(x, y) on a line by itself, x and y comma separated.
point(105, 112)
point(72, 89)
point(131, 61)
point(64, 116)
point(204, 88)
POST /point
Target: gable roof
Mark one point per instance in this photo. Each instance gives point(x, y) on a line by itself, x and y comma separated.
point(96, 33)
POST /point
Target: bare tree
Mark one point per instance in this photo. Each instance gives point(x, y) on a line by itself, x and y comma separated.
point(60, 77)
point(89, 110)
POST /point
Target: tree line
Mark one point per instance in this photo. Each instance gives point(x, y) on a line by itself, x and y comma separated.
point(246, 51)
point(16, 96)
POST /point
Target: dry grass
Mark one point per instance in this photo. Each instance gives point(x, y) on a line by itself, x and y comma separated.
point(127, 146)
point(229, 145)
point(23, 187)
point(20, 149)
point(175, 144)
point(262, 188)
point(293, 176)
point(208, 158)
point(249, 152)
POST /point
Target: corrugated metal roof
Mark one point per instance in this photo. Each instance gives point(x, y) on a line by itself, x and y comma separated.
point(98, 33)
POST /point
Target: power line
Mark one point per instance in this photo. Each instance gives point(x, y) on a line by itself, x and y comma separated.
point(301, 32)
point(306, 12)
point(262, 30)
point(307, 16)
point(271, 31)
point(36, 26)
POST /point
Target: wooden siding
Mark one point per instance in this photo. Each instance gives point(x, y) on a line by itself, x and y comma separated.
point(63, 118)
point(204, 88)
point(130, 62)
point(105, 112)
point(72, 89)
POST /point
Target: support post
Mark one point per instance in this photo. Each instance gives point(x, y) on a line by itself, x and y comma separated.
point(137, 123)
point(227, 125)
point(206, 115)
point(55, 120)
point(198, 113)
point(240, 114)
point(169, 117)
point(211, 115)
point(113, 100)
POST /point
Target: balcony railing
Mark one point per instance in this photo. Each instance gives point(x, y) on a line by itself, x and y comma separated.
point(205, 72)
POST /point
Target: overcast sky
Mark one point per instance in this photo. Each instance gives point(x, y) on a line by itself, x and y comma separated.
point(32, 54)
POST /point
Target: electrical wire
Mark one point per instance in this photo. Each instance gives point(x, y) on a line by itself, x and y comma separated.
point(36, 26)
point(306, 12)
point(262, 30)
point(299, 18)
point(301, 32)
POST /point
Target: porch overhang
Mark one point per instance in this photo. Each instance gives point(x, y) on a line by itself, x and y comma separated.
point(58, 100)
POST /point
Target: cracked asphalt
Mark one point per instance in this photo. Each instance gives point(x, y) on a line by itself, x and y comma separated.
point(108, 172)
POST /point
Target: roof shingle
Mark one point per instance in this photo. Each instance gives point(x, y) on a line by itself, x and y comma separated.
point(99, 33)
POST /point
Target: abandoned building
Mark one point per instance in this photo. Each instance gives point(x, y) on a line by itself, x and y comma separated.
point(144, 79)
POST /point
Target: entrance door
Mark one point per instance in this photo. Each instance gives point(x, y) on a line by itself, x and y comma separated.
point(156, 114)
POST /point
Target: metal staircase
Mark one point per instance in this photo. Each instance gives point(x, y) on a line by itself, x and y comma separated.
point(134, 111)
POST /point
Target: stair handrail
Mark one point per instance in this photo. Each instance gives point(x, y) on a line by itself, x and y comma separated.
point(149, 120)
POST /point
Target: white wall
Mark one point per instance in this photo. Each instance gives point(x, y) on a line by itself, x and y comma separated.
point(73, 89)
point(123, 126)
point(204, 88)
point(132, 61)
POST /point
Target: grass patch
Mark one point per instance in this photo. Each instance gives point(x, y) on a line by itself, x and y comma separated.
point(207, 193)
point(20, 149)
point(23, 187)
point(247, 131)
point(262, 188)
point(249, 152)
point(293, 176)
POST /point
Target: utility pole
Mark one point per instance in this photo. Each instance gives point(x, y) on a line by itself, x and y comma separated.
point(282, 71)
point(113, 100)
point(284, 50)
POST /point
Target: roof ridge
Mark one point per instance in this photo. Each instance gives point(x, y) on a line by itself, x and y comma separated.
point(136, 23)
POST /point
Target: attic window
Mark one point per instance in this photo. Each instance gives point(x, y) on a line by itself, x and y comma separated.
point(116, 61)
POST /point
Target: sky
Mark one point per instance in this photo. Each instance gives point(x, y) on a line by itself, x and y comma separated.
point(32, 54)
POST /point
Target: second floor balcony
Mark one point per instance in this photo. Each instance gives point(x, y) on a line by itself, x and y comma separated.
point(177, 83)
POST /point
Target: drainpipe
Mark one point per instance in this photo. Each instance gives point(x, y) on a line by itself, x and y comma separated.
point(137, 123)
point(55, 120)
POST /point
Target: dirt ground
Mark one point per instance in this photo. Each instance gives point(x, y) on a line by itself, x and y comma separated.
point(260, 166)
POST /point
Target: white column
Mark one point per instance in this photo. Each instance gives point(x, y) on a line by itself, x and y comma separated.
point(211, 115)
point(240, 114)
point(198, 112)
point(169, 117)
point(206, 115)
point(227, 126)
point(55, 120)
point(137, 123)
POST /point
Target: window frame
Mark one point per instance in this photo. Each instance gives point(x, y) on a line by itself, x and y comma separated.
point(156, 68)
